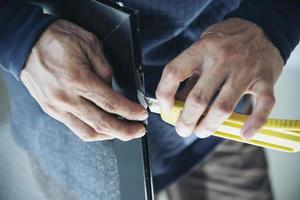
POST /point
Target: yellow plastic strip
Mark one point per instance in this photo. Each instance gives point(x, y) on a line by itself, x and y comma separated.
point(254, 142)
point(285, 130)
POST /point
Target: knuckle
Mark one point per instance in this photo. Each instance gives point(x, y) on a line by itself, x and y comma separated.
point(194, 49)
point(223, 55)
point(110, 104)
point(198, 100)
point(226, 50)
point(68, 38)
point(224, 107)
point(260, 120)
point(216, 71)
point(268, 97)
point(101, 126)
point(209, 40)
point(82, 82)
point(60, 96)
point(171, 71)
point(75, 78)
point(92, 39)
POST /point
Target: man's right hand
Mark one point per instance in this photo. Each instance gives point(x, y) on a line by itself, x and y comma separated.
point(69, 77)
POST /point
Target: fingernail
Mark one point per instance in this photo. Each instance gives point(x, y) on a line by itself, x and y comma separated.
point(248, 133)
point(165, 107)
point(143, 116)
point(183, 132)
point(141, 133)
point(203, 133)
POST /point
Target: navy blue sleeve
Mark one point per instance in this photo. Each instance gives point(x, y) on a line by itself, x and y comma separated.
point(21, 24)
point(280, 20)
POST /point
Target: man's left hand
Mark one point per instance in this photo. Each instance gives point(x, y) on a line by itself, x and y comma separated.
point(233, 57)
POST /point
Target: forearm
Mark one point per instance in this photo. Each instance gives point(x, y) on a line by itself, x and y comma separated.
point(280, 20)
point(21, 25)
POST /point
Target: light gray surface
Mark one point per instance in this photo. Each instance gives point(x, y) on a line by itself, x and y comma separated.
point(16, 178)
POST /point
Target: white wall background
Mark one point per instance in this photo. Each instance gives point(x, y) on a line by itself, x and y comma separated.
point(284, 167)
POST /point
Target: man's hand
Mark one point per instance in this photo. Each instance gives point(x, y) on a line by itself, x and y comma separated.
point(68, 75)
point(234, 57)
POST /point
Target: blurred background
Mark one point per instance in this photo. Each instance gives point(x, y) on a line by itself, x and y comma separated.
point(16, 180)
point(285, 168)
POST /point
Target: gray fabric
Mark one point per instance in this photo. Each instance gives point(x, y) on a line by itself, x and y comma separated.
point(236, 171)
point(48, 186)
point(88, 170)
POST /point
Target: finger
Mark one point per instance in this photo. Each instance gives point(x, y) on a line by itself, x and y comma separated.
point(106, 98)
point(221, 108)
point(183, 66)
point(82, 130)
point(104, 122)
point(97, 59)
point(264, 102)
point(196, 103)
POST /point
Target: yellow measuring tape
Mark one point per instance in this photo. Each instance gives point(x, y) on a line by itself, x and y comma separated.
point(278, 134)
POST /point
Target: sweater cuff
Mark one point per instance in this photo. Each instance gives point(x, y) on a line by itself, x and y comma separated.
point(21, 26)
point(281, 27)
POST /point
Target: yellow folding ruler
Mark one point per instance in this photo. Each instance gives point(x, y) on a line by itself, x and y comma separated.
point(278, 134)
